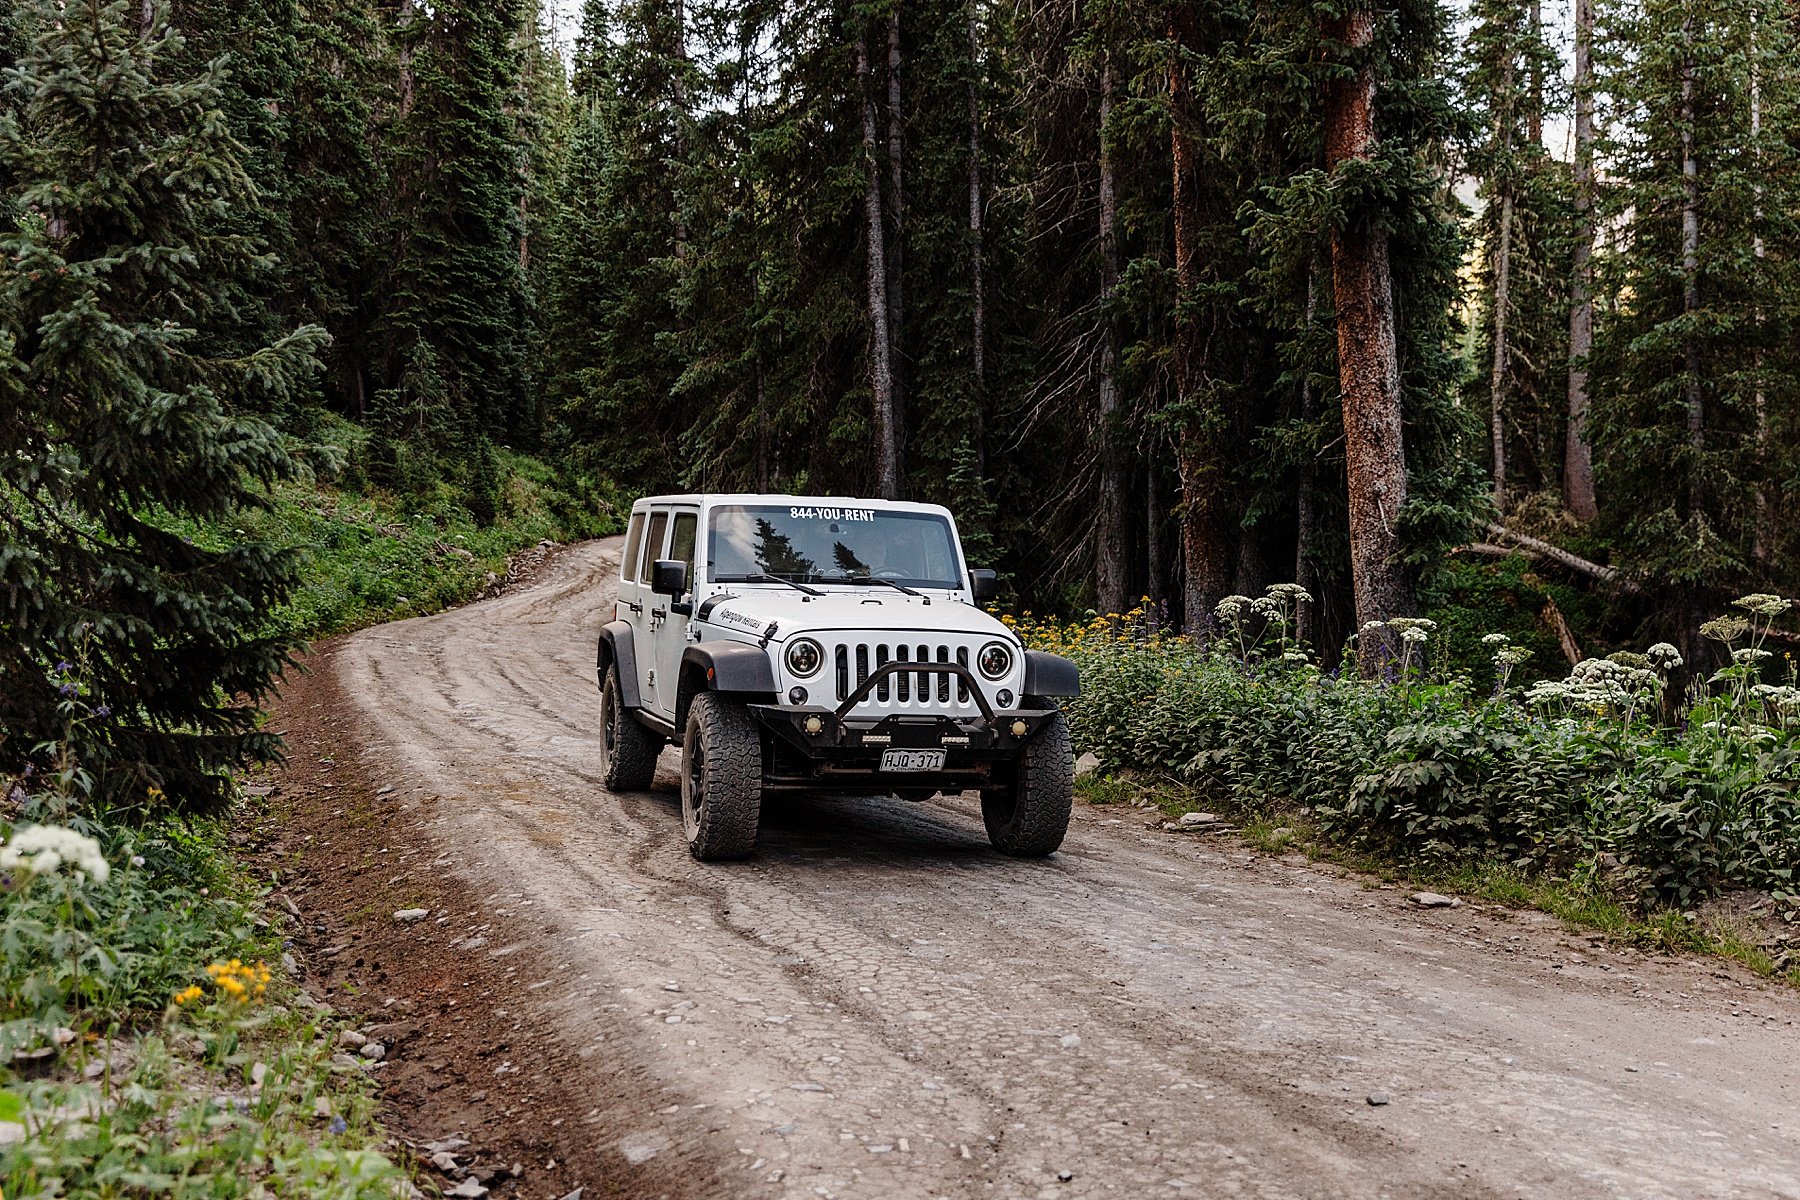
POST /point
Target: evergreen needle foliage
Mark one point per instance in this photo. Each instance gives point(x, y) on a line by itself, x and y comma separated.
point(118, 419)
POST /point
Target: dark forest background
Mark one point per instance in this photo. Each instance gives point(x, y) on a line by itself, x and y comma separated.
point(1430, 310)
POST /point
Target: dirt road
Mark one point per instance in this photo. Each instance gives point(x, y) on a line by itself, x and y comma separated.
point(879, 1006)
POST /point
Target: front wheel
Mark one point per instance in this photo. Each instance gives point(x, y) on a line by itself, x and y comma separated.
point(721, 779)
point(627, 750)
point(1030, 817)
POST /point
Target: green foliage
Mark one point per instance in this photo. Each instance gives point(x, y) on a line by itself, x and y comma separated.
point(119, 419)
point(1436, 773)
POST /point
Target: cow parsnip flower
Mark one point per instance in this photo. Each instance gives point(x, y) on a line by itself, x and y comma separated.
point(45, 849)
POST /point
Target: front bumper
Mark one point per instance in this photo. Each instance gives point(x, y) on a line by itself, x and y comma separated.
point(813, 747)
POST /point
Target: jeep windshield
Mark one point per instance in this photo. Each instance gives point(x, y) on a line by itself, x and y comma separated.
point(806, 543)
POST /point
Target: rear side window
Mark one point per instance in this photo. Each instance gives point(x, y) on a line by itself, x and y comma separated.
point(659, 525)
point(681, 543)
point(634, 540)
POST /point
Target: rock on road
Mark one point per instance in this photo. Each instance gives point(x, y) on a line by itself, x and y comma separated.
point(877, 1005)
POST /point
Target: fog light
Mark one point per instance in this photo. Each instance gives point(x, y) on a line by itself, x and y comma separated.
point(1004, 697)
point(796, 695)
point(1020, 728)
point(813, 725)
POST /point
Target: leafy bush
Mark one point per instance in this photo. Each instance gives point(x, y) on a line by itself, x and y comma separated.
point(1554, 778)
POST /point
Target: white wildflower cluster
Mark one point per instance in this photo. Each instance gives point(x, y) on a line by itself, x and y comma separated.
point(1783, 700)
point(1763, 604)
point(1511, 656)
point(1664, 657)
point(1372, 626)
point(1268, 608)
point(44, 849)
point(1231, 608)
point(1412, 629)
point(1495, 639)
point(1293, 593)
point(1294, 656)
point(1725, 629)
point(1745, 656)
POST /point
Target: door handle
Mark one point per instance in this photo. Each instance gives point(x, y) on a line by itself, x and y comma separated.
point(634, 606)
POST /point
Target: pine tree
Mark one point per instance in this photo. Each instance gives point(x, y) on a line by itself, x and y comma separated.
point(1695, 346)
point(139, 646)
point(1523, 227)
point(457, 286)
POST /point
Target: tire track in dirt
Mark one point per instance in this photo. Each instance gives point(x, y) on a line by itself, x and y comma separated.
point(877, 1005)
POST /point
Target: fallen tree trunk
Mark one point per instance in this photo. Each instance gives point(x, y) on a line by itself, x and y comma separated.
point(1538, 548)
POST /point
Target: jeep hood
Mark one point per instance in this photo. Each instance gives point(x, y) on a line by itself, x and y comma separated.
point(750, 611)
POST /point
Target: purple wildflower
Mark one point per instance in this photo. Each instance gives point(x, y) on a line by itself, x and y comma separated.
point(67, 689)
point(338, 1125)
point(64, 667)
point(105, 710)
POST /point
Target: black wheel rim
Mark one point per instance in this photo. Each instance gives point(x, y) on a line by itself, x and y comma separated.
point(693, 790)
point(609, 716)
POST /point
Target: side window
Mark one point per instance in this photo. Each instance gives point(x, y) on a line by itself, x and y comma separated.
point(681, 542)
point(634, 541)
point(659, 525)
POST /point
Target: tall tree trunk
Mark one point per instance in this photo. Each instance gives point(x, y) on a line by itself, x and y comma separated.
point(1110, 569)
point(1690, 254)
point(1154, 567)
point(1306, 517)
point(1534, 120)
point(1578, 454)
point(1759, 538)
point(881, 376)
point(1502, 142)
point(977, 250)
point(1368, 357)
point(896, 242)
point(1205, 526)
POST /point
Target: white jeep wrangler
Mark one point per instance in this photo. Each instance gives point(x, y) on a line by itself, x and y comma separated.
point(824, 644)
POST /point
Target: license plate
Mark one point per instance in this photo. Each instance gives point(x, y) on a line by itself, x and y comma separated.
point(912, 760)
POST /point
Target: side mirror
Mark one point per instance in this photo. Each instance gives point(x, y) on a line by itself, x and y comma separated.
point(985, 584)
point(668, 577)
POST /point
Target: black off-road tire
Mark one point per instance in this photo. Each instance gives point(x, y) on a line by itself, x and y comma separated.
point(721, 779)
point(1030, 818)
point(627, 750)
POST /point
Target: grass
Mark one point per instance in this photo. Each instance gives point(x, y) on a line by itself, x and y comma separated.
point(370, 554)
point(1577, 903)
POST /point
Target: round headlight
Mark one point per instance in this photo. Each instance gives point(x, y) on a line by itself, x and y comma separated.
point(804, 657)
point(995, 660)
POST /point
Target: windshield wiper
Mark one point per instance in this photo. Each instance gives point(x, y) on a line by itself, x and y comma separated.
point(773, 579)
point(898, 587)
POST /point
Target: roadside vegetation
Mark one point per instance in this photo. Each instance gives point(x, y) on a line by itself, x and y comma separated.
point(382, 532)
point(1614, 798)
point(149, 1044)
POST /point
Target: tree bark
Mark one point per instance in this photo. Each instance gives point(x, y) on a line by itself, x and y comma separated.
point(1110, 577)
point(1306, 517)
point(896, 243)
point(1690, 256)
point(1534, 120)
point(1759, 538)
point(977, 250)
point(1502, 139)
point(1205, 526)
point(881, 378)
point(1578, 454)
point(1368, 356)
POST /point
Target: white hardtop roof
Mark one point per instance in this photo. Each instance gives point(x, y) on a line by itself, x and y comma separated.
point(707, 499)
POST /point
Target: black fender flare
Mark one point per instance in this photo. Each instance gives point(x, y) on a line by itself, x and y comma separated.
point(1049, 674)
point(617, 645)
point(734, 669)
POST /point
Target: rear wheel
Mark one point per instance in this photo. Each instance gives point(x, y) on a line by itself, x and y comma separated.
point(1029, 817)
point(721, 779)
point(627, 750)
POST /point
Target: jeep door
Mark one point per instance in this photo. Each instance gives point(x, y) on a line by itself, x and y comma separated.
point(672, 637)
point(645, 623)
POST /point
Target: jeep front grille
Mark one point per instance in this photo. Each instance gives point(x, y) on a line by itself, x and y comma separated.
point(856, 661)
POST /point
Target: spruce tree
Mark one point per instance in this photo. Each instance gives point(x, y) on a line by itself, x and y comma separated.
point(457, 288)
point(1694, 368)
point(134, 631)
